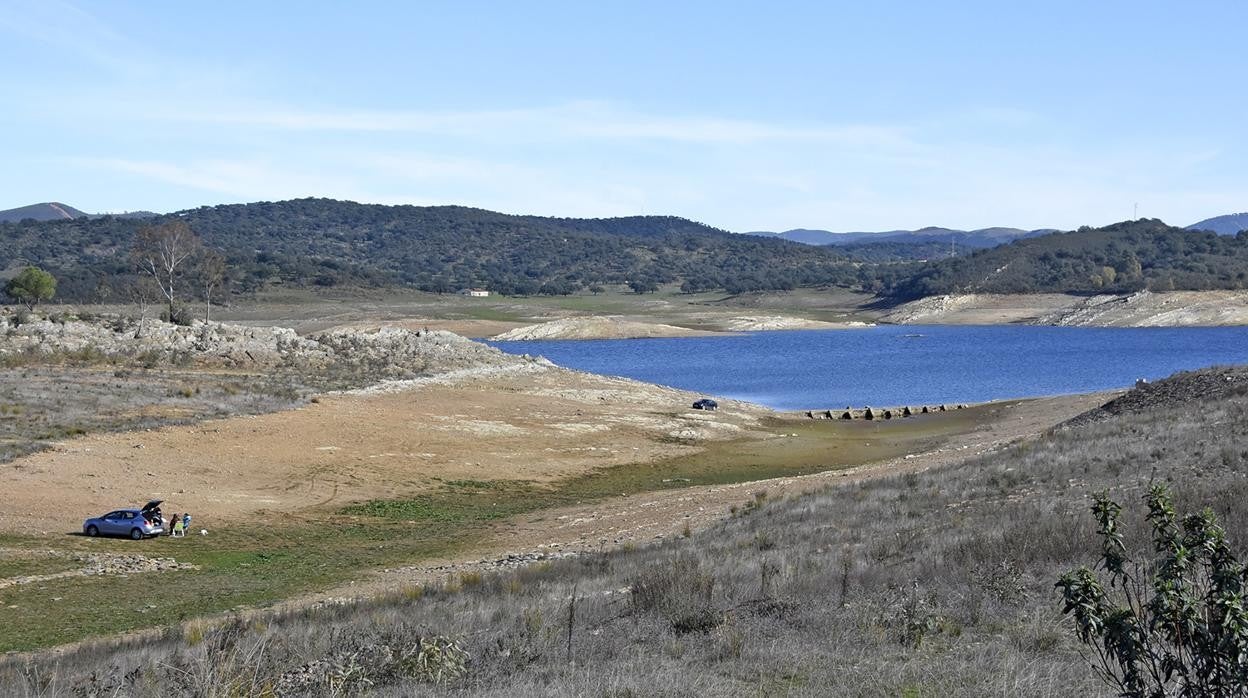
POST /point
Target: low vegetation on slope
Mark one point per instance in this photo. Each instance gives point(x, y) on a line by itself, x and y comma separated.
point(933, 583)
point(320, 242)
point(326, 243)
point(1120, 258)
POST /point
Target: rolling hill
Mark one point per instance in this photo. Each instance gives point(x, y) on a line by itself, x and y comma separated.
point(1120, 258)
point(50, 211)
point(323, 242)
point(1229, 224)
point(326, 243)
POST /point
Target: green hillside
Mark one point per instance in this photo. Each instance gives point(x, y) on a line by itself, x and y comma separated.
point(326, 243)
point(444, 248)
point(1119, 258)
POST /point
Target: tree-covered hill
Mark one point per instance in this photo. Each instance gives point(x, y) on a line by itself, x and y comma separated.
point(901, 251)
point(321, 242)
point(1121, 258)
point(443, 248)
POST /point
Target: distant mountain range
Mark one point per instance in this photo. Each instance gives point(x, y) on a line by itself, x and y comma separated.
point(1229, 224)
point(55, 211)
point(977, 239)
point(984, 238)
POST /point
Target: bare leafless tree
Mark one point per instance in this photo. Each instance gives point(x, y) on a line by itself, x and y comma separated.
point(210, 273)
point(162, 251)
point(142, 292)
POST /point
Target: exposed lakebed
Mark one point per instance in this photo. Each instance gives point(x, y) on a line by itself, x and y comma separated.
point(897, 365)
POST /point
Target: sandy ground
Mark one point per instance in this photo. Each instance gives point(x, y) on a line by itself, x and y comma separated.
point(533, 422)
point(645, 518)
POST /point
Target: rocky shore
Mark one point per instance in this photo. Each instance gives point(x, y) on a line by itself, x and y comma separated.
point(388, 352)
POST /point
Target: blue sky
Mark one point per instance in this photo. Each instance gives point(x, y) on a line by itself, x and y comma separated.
point(747, 116)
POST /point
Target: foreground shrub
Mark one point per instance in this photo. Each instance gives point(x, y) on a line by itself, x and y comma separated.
point(1174, 626)
point(681, 593)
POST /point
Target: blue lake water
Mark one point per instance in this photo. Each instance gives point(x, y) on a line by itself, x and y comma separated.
point(896, 365)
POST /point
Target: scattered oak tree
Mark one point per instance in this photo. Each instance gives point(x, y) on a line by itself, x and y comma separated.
point(1176, 626)
point(31, 286)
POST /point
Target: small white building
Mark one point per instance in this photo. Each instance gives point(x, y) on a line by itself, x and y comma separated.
point(475, 292)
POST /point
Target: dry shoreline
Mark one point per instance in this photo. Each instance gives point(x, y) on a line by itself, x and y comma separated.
point(778, 312)
point(615, 327)
point(1142, 309)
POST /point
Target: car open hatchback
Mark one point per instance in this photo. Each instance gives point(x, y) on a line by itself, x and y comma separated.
point(135, 523)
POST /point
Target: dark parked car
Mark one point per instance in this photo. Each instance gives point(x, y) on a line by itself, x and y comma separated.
point(136, 523)
point(706, 404)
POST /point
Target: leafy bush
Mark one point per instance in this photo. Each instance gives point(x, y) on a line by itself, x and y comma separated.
point(1174, 626)
point(30, 286)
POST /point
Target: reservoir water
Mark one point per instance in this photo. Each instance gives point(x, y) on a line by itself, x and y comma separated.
point(901, 364)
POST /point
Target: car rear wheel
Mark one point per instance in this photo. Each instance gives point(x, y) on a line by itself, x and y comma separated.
point(93, 531)
point(136, 534)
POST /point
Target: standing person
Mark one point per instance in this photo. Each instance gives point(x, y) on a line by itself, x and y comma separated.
point(172, 520)
point(186, 522)
point(178, 530)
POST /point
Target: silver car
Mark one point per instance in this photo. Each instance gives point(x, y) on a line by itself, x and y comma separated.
point(135, 523)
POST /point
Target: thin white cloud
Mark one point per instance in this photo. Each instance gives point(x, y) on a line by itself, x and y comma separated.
point(69, 29)
point(575, 120)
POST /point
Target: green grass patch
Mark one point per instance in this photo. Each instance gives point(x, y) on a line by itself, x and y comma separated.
point(487, 312)
point(254, 565)
point(455, 505)
point(34, 564)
